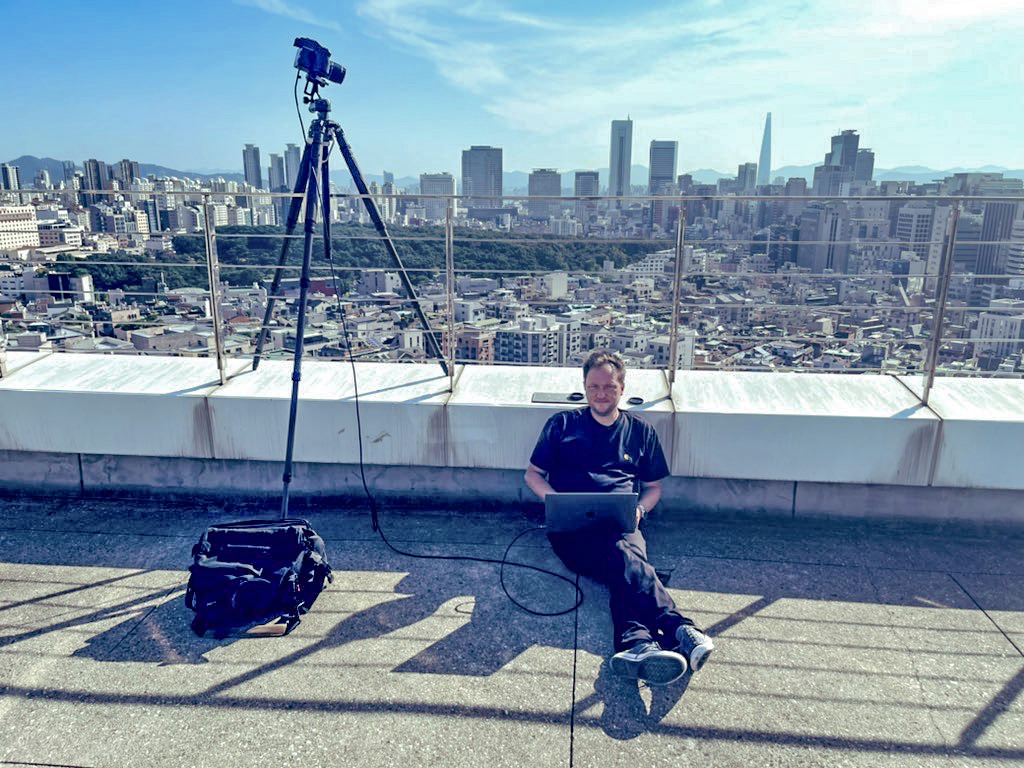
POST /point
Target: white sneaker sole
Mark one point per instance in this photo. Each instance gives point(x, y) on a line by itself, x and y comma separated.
point(657, 668)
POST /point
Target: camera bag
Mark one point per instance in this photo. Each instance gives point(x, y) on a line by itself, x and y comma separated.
point(254, 571)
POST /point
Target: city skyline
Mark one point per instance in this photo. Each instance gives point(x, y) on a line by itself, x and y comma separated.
point(426, 81)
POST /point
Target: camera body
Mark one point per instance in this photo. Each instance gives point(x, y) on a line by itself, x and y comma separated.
point(315, 60)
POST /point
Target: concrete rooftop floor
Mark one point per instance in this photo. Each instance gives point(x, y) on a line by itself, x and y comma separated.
point(838, 643)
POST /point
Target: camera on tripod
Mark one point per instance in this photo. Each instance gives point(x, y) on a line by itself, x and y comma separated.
point(315, 61)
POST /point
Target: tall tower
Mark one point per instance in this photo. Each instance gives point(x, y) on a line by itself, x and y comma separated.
point(437, 184)
point(544, 182)
point(662, 165)
point(96, 177)
point(764, 160)
point(834, 176)
point(292, 159)
point(128, 171)
point(620, 159)
point(587, 184)
point(481, 176)
point(10, 178)
point(251, 164)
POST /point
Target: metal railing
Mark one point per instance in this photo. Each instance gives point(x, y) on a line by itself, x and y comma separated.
point(719, 291)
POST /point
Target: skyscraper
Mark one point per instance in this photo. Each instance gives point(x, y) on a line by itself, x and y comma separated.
point(764, 160)
point(746, 178)
point(834, 177)
point(481, 176)
point(276, 174)
point(663, 166)
point(10, 178)
point(251, 164)
point(96, 177)
point(128, 171)
point(824, 237)
point(864, 165)
point(546, 182)
point(620, 159)
point(69, 171)
point(292, 160)
point(996, 226)
point(436, 184)
point(587, 184)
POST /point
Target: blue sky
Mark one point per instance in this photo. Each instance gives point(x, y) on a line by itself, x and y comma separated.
point(185, 84)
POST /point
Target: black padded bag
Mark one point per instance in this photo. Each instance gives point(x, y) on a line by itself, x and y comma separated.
point(255, 571)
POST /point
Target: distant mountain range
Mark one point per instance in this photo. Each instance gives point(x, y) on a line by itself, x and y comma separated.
point(517, 182)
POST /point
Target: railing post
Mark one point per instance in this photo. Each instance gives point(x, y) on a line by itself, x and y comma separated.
point(673, 343)
point(3, 350)
point(449, 264)
point(945, 275)
point(213, 276)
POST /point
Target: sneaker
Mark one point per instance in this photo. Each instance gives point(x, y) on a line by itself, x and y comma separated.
point(649, 661)
point(694, 645)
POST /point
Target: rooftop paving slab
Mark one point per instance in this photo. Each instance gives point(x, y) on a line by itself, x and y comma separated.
point(855, 643)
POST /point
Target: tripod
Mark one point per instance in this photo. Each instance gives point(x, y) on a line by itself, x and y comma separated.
point(313, 181)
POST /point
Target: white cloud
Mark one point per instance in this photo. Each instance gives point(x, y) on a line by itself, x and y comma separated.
point(707, 70)
point(291, 10)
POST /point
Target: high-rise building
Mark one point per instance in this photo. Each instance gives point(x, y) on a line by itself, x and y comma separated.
point(276, 175)
point(481, 176)
point(587, 184)
point(128, 171)
point(292, 160)
point(277, 180)
point(620, 159)
point(437, 184)
point(834, 176)
point(746, 178)
point(764, 160)
point(251, 165)
point(68, 167)
point(544, 182)
point(96, 177)
point(662, 166)
point(824, 241)
point(914, 227)
point(864, 165)
point(1015, 250)
point(996, 227)
point(10, 178)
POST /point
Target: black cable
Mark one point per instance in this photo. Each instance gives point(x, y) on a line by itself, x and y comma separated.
point(298, 110)
point(575, 653)
point(374, 514)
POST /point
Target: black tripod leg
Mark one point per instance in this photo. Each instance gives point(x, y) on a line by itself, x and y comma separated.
point(378, 222)
point(293, 219)
point(314, 155)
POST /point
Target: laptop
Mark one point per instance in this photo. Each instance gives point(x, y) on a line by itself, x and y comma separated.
point(574, 511)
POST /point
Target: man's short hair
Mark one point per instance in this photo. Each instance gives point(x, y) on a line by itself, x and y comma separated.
point(606, 357)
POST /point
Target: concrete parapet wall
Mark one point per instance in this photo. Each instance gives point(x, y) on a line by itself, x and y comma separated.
point(158, 424)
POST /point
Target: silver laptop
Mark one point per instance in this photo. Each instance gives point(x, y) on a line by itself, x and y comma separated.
point(574, 511)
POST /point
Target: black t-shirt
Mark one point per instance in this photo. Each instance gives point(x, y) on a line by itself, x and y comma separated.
point(579, 454)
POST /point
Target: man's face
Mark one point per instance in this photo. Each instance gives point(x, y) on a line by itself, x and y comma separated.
point(603, 390)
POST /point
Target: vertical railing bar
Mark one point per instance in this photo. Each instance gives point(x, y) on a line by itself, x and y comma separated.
point(673, 342)
point(946, 273)
point(449, 261)
point(213, 277)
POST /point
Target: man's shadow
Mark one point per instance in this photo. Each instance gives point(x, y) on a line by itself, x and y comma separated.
point(494, 633)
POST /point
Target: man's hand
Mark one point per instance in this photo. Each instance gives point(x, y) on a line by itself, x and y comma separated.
point(641, 513)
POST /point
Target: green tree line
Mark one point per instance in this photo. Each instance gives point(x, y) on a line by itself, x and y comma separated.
point(247, 254)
